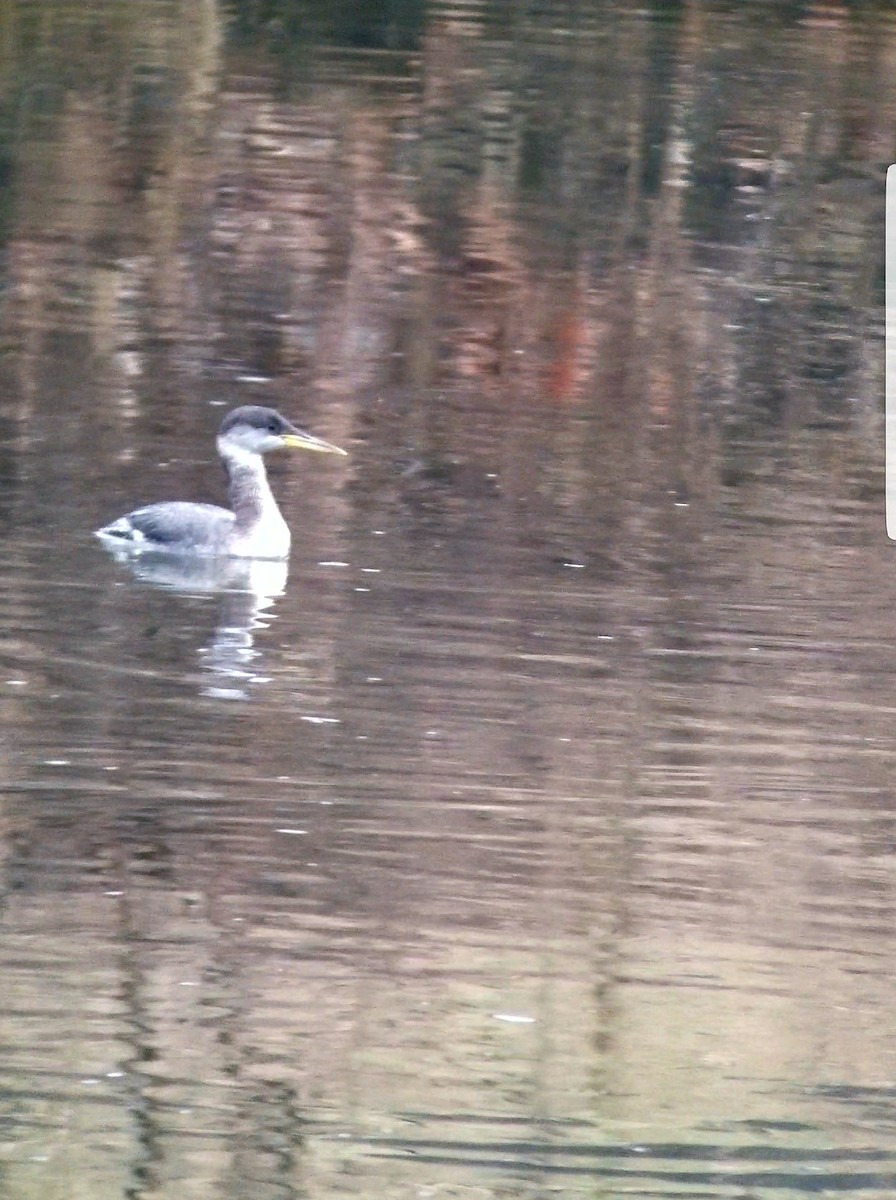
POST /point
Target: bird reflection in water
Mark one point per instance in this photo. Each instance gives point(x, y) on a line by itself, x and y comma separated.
point(247, 589)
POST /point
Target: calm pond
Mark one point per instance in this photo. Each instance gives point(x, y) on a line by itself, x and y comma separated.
point(533, 833)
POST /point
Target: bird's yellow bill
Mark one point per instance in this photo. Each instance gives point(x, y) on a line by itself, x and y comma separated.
point(307, 441)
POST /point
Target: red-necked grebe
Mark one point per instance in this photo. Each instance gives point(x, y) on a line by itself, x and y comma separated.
point(255, 527)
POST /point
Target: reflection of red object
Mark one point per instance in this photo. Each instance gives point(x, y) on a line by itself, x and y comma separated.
point(563, 369)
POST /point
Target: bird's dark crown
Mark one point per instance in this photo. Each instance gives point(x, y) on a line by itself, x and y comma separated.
point(256, 417)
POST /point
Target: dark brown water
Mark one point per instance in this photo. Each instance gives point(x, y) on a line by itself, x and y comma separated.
point(535, 835)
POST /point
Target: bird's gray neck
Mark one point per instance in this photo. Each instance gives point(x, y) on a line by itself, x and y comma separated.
point(251, 497)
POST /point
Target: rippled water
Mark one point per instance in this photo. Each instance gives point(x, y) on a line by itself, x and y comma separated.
point(533, 833)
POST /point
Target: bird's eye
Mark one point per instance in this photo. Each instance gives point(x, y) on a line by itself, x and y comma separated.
point(273, 425)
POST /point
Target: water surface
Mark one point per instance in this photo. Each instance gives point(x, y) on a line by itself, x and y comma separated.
point(532, 834)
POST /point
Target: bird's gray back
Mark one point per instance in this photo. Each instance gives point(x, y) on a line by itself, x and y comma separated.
point(174, 525)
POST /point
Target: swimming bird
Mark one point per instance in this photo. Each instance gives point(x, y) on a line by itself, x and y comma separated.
point(255, 527)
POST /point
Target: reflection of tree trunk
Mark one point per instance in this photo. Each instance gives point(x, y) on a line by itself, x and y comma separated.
point(177, 195)
point(107, 190)
point(672, 308)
